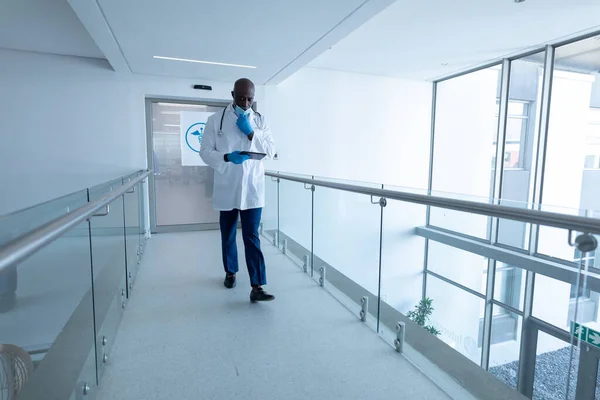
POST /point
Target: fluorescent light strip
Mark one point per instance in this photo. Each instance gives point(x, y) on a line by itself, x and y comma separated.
point(181, 105)
point(173, 126)
point(204, 62)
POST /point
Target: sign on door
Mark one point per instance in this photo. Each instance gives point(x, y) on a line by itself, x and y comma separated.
point(192, 126)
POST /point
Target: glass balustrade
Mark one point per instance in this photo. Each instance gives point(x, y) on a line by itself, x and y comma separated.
point(60, 307)
point(527, 313)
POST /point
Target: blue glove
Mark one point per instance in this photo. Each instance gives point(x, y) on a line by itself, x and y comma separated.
point(244, 124)
point(237, 158)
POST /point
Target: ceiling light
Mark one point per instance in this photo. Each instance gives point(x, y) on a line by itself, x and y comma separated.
point(173, 126)
point(204, 62)
point(170, 112)
point(182, 105)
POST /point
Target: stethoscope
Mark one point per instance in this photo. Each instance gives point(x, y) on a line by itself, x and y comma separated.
point(220, 132)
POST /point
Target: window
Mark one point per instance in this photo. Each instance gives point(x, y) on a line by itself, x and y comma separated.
point(464, 127)
point(582, 291)
point(592, 158)
point(517, 124)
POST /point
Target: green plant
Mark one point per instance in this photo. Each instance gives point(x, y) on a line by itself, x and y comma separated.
point(421, 314)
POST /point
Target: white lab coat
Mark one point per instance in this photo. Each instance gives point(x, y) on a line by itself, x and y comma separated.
point(242, 186)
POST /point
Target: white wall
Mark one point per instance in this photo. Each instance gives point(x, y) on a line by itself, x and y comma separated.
point(67, 123)
point(362, 128)
point(352, 126)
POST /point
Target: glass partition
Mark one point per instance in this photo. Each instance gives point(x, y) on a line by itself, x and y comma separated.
point(49, 295)
point(347, 230)
point(109, 263)
point(295, 220)
point(269, 222)
point(388, 255)
point(402, 255)
point(62, 305)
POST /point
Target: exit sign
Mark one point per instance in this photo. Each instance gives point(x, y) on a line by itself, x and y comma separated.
point(585, 334)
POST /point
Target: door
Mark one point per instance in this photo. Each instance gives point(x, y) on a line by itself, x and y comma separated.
point(588, 384)
point(560, 370)
point(182, 185)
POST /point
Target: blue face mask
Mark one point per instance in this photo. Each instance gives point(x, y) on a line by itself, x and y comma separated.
point(239, 110)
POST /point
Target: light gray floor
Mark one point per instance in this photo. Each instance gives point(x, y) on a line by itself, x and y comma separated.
point(184, 336)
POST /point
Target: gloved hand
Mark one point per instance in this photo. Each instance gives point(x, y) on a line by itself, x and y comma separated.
point(237, 158)
point(244, 124)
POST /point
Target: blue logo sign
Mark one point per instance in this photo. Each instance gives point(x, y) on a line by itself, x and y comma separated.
point(193, 136)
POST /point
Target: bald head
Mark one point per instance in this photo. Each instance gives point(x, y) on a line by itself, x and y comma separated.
point(243, 93)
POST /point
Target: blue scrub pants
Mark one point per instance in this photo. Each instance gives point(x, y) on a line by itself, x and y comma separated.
point(255, 261)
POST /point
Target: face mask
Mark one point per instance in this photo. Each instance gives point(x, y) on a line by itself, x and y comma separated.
point(239, 110)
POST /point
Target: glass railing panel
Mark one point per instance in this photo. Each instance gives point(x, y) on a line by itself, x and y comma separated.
point(372, 185)
point(20, 222)
point(402, 258)
point(514, 234)
point(346, 243)
point(554, 242)
point(346, 246)
point(132, 232)
point(269, 221)
point(463, 223)
point(109, 263)
point(457, 316)
point(295, 221)
point(48, 313)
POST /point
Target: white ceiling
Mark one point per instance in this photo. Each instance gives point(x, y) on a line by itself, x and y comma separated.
point(275, 36)
point(412, 39)
point(408, 39)
point(44, 26)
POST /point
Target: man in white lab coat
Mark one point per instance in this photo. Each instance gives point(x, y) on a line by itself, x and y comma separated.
point(239, 188)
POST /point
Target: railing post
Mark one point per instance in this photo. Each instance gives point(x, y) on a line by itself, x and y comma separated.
point(364, 303)
point(400, 336)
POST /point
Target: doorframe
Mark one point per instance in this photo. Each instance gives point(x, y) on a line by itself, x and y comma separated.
point(149, 100)
point(587, 376)
point(589, 356)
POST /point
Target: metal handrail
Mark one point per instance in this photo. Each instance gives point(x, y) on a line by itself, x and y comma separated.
point(570, 222)
point(24, 246)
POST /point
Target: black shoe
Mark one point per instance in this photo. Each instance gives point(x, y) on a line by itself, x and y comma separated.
point(229, 281)
point(260, 295)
